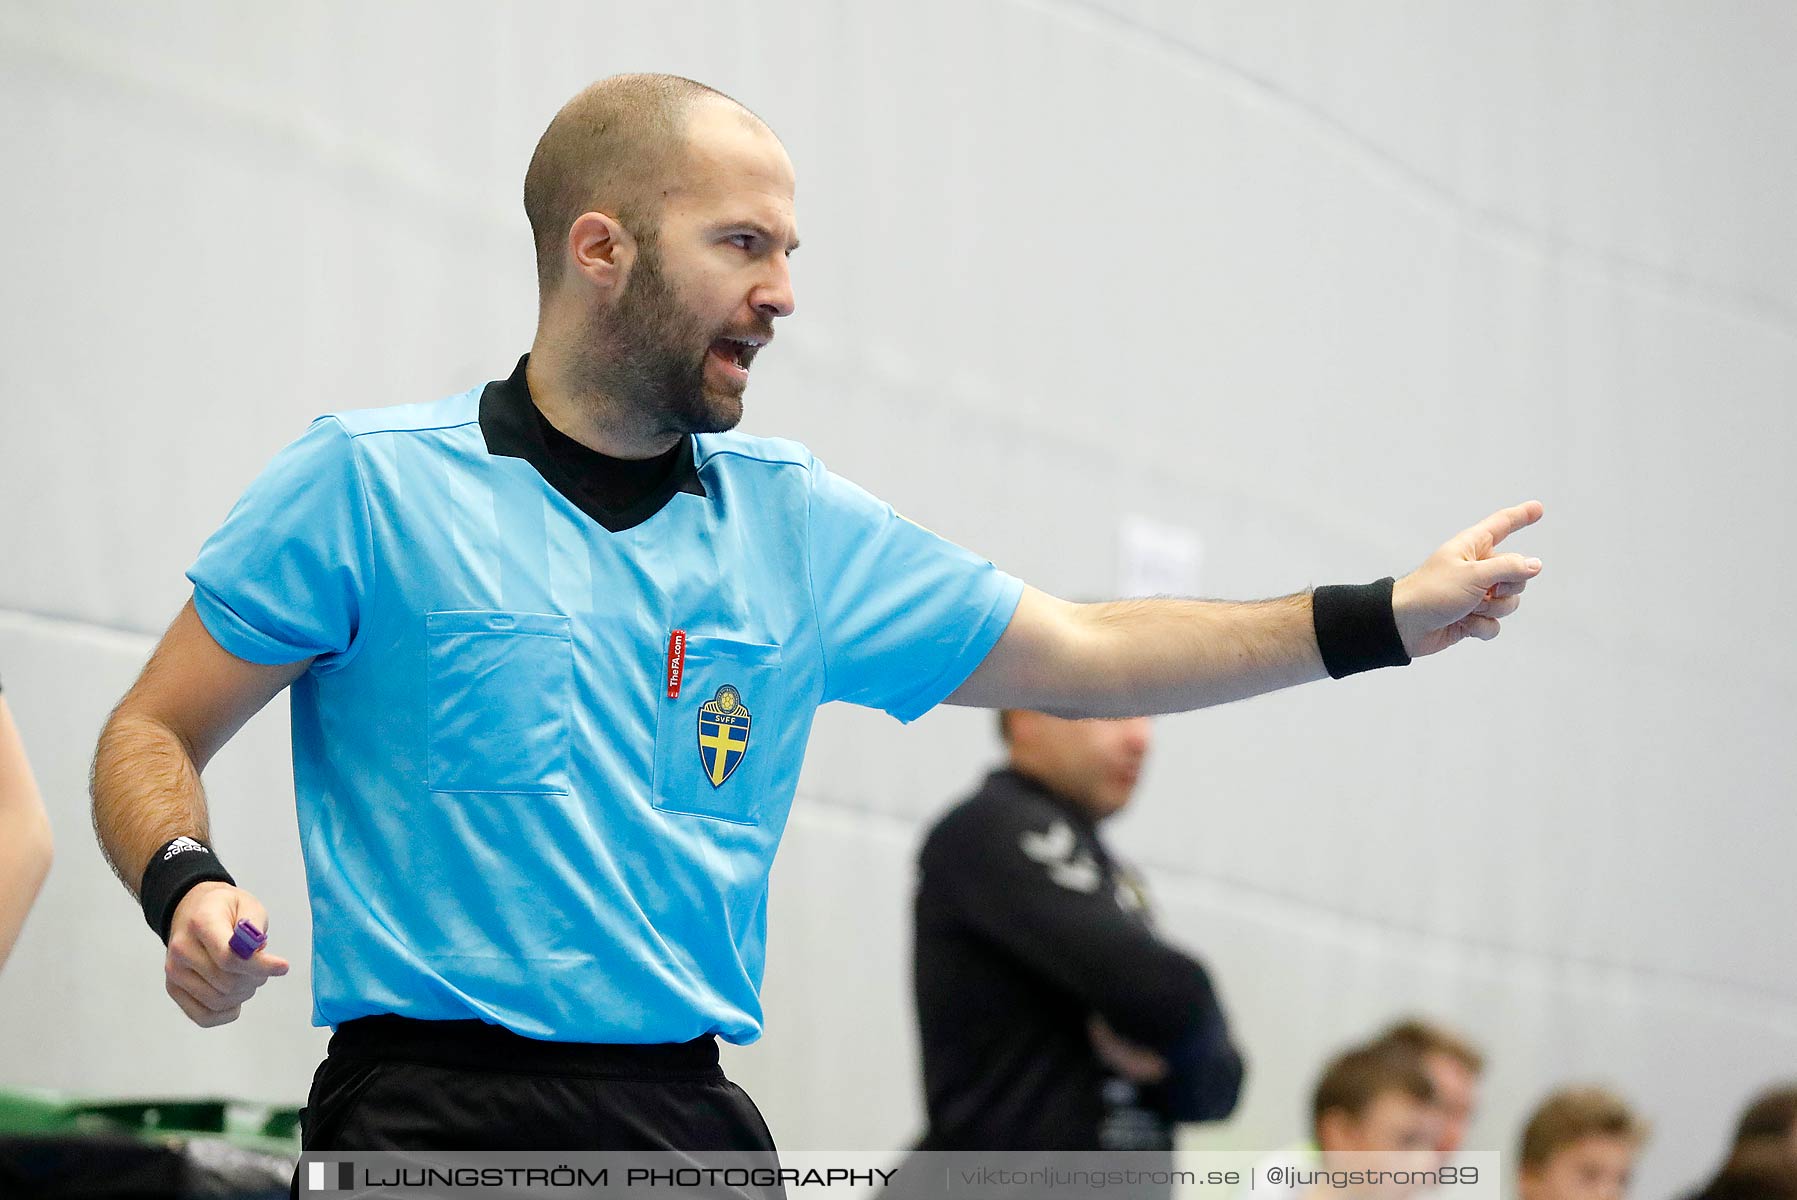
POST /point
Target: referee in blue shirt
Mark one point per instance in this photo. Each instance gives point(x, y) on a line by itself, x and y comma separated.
point(554, 646)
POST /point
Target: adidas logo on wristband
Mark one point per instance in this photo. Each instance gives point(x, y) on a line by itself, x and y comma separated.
point(171, 873)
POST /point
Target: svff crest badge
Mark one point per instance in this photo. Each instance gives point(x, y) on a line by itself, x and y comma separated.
point(723, 734)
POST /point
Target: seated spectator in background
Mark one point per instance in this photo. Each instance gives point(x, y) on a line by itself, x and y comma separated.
point(1756, 1172)
point(1052, 1015)
point(24, 835)
point(1762, 1163)
point(1454, 1065)
point(1580, 1144)
point(1374, 1108)
point(1377, 1097)
point(1770, 1122)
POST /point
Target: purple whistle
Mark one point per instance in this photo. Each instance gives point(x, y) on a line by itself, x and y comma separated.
point(246, 939)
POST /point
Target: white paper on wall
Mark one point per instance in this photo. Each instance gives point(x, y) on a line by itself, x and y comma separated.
point(1156, 558)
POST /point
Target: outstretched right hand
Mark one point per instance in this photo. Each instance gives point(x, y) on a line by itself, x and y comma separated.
point(205, 977)
point(1466, 586)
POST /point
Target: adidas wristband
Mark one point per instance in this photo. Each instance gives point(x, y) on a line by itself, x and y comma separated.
point(1356, 629)
point(173, 871)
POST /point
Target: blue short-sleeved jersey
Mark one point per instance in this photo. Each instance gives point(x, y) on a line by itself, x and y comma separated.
point(504, 813)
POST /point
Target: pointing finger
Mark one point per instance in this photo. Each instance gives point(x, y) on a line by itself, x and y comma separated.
point(1502, 523)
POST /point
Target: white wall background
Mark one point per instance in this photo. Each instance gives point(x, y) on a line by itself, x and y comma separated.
point(1323, 282)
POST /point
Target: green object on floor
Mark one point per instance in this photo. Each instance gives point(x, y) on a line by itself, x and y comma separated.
point(267, 1128)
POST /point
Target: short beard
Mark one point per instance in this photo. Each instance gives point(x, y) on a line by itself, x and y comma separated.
point(650, 360)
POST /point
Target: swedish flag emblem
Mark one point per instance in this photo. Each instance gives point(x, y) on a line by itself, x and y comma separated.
point(723, 734)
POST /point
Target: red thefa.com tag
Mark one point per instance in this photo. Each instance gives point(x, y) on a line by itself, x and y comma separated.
point(676, 662)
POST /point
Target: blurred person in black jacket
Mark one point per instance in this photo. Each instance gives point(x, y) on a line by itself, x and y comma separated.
point(1052, 1015)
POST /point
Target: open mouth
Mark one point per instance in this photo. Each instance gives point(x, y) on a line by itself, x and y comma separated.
point(736, 353)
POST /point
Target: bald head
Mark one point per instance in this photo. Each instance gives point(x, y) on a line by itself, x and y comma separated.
point(616, 148)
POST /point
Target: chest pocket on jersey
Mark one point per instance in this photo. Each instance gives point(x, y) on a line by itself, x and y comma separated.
point(714, 742)
point(499, 688)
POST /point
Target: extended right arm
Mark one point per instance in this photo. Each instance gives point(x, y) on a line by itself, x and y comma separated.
point(189, 701)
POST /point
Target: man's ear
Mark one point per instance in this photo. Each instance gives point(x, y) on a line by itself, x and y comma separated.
point(601, 251)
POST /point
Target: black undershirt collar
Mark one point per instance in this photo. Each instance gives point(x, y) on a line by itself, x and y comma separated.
point(618, 493)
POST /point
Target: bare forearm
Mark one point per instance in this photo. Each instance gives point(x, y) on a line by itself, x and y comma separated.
point(25, 851)
point(25, 842)
point(1142, 657)
point(190, 699)
point(146, 791)
point(1132, 658)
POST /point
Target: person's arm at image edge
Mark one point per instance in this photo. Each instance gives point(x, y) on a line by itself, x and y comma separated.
point(25, 842)
point(1141, 657)
point(191, 698)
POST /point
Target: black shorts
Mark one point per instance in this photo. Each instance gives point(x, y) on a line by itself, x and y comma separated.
point(392, 1083)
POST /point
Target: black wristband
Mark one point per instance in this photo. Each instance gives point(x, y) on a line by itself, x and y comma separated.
point(172, 873)
point(1356, 629)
